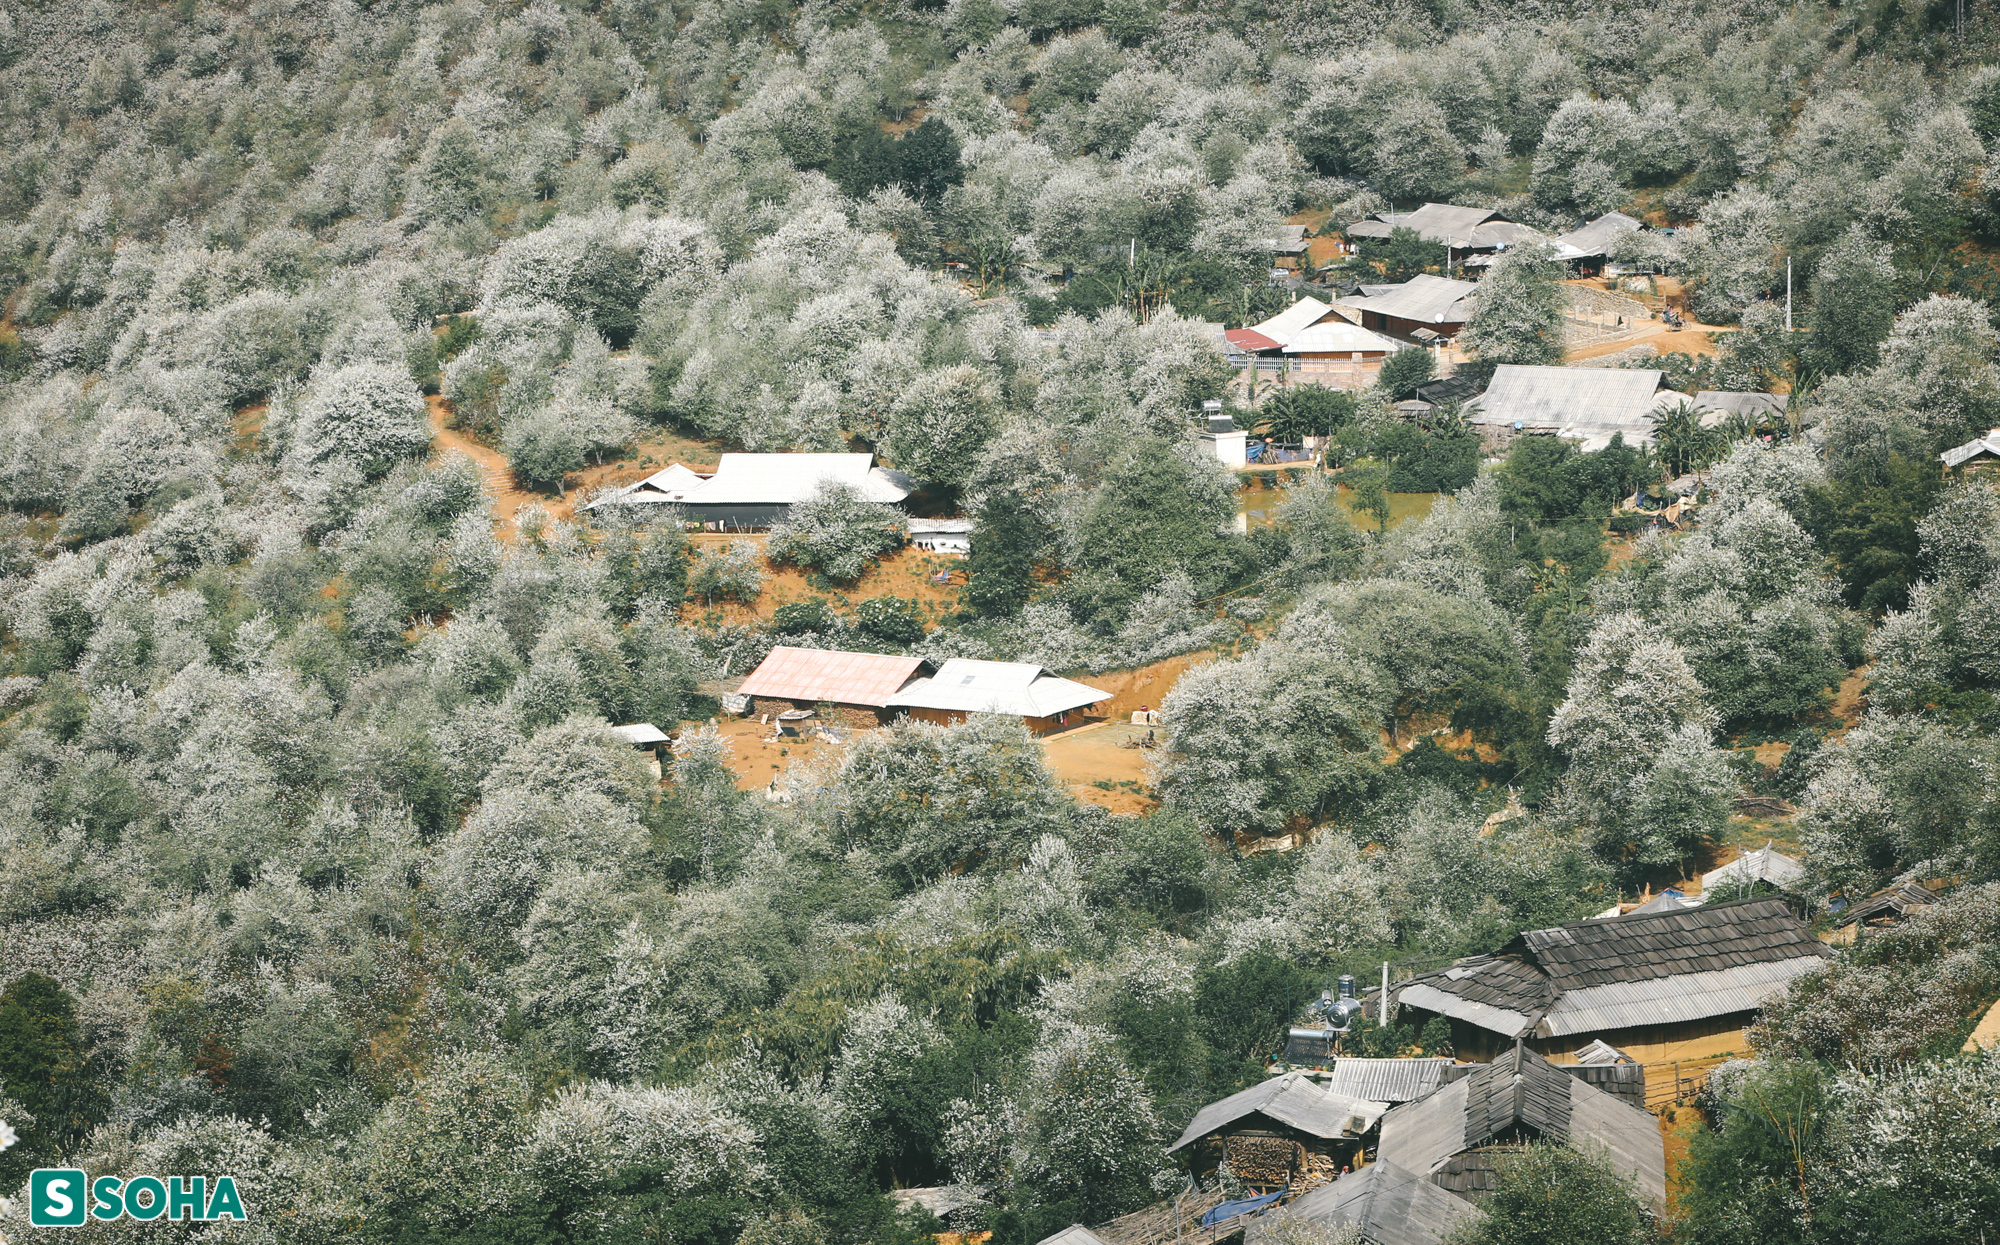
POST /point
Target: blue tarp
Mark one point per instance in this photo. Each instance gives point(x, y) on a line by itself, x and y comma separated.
point(1229, 1210)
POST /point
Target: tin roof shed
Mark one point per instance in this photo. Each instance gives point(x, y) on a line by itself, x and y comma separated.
point(831, 675)
point(966, 686)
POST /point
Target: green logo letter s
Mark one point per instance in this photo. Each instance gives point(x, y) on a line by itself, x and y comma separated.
point(56, 1197)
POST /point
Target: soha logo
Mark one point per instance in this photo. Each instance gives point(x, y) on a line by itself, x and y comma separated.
point(63, 1197)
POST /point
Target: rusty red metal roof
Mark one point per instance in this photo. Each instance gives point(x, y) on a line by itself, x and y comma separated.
point(831, 675)
point(1250, 341)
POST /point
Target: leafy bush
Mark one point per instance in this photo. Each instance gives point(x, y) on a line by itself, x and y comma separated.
point(837, 531)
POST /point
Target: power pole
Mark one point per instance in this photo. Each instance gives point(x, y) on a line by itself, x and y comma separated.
point(1788, 293)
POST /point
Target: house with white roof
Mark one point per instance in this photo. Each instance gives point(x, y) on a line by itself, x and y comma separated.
point(962, 687)
point(1340, 354)
point(757, 490)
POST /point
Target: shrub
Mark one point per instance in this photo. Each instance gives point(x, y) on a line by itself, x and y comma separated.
point(893, 620)
point(837, 531)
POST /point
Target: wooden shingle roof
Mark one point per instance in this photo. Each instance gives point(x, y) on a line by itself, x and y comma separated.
point(1712, 937)
point(1518, 1098)
point(1619, 972)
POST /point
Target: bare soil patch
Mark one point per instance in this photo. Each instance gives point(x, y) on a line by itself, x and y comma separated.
point(1105, 764)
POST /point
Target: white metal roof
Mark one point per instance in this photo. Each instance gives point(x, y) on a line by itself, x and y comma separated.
point(1389, 1204)
point(639, 734)
point(768, 479)
point(1293, 320)
point(1336, 336)
point(1424, 298)
point(1019, 688)
point(1584, 403)
point(1960, 454)
point(1670, 1000)
point(920, 526)
point(1766, 864)
point(1504, 1021)
point(1596, 237)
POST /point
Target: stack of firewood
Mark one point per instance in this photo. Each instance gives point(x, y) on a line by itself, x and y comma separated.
point(1262, 1160)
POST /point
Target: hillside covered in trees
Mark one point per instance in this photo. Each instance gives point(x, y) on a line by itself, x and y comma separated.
point(319, 866)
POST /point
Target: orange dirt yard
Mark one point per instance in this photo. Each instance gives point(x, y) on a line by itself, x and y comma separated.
point(1105, 763)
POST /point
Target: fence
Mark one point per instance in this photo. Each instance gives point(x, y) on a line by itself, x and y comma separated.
point(1679, 1080)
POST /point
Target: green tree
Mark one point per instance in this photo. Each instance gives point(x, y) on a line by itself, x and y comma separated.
point(1549, 1194)
point(1368, 492)
point(1751, 1178)
point(1157, 511)
point(1403, 371)
point(1401, 255)
point(837, 531)
point(1299, 411)
point(1867, 520)
point(1518, 315)
point(927, 161)
point(45, 1068)
point(893, 620)
point(1853, 305)
point(1000, 571)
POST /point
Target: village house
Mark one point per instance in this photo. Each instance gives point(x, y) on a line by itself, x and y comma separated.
point(1279, 1131)
point(952, 536)
point(1339, 354)
point(1589, 246)
point(1717, 405)
point(1977, 456)
point(750, 491)
point(1764, 866)
point(1471, 234)
point(962, 687)
point(1664, 987)
point(852, 689)
point(1435, 307)
point(1588, 405)
point(646, 738)
point(1455, 1135)
point(1386, 1204)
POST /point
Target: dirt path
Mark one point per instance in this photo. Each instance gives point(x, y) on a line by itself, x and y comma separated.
point(505, 499)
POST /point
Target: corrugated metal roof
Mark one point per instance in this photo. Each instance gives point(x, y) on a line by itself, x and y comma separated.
point(1741, 402)
point(1250, 341)
point(1501, 233)
point(920, 526)
point(1293, 320)
point(1421, 1135)
point(1961, 454)
point(1075, 1234)
point(966, 686)
point(1597, 237)
point(640, 733)
point(1434, 222)
point(1508, 1100)
point(1670, 1000)
point(773, 479)
point(1896, 899)
point(1424, 298)
point(1581, 402)
point(1295, 1100)
point(1390, 1204)
point(1387, 1080)
point(831, 675)
point(1336, 336)
point(1629, 1135)
point(1766, 864)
